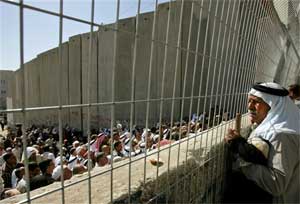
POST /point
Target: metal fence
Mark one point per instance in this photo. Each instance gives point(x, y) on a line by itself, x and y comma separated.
point(185, 68)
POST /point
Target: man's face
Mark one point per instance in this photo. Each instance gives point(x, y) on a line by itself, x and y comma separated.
point(103, 161)
point(50, 168)
point(119, 147)
point(12, 160)
point(258, 109)
point(35, 172)
point(116, 137)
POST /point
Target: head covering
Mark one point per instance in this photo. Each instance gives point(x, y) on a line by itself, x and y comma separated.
point(99, 141)
point(283, 116)
point(56, 172)
point(29, 151)
point(125, 135)
point(117, 158)
point(119, 126)
point(57, 160)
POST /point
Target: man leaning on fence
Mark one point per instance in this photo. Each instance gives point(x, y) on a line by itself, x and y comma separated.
point(276, 124)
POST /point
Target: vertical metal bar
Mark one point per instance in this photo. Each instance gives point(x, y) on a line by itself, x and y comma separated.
point(113, 94)
point(166, 43)
point(24, 139)
point(250, 50)
point(149, 80)
point(235, 62)
point(89, 100)
point(261, 35)
point(231, 35)
point(201, 72)
point(195, 68)
point(60, 55)
point(212, 89)
point(253, 60)
point(215, 151)
point(202, 67)
point(178, 52)
point(259, 42)
point(269, 29)
point(132, 105)
point(241, 61)
point(242, 52)
point(184, 86)
point(232, 58)
point(221, 113)
point(245, 57)
point(288, 71)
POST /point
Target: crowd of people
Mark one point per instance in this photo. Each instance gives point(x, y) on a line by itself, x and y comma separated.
point(43, 150)
point(106, 146)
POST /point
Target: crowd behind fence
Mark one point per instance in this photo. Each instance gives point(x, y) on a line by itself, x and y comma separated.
point(173, 77)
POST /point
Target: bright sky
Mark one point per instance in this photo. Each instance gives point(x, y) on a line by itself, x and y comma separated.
point(41, 31)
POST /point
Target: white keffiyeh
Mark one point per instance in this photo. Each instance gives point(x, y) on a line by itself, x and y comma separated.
point(284, 116)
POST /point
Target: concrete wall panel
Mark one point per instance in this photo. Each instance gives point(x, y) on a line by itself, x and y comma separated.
point(91, 84)
point(142, 70)
point(19, 91)
point(105, 66)
point(64, 88)
point(123, 74)
point(32, 90)
point(75, 96)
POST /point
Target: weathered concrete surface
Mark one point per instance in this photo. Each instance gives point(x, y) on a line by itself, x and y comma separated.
point(89, 78)
point(32, 92)
point(7, 89)
point(105, 64)
point(194, 149)
point(75, 80)
point(142, 77)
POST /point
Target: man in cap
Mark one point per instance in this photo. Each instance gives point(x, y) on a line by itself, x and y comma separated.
point(275, 121)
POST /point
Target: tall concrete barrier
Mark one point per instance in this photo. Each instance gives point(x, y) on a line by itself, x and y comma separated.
point(75, 81)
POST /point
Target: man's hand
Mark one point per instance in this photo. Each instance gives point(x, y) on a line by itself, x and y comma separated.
point(231, 134)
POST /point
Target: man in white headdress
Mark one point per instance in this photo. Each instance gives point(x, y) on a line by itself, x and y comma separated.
point(277, 122)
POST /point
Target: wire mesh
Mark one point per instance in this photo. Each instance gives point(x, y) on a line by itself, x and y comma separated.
point(160, 88)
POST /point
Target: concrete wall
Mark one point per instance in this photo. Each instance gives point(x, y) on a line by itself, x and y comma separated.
point(89, 78)
point(6, 93)
point(221, 67)
point(75, 81)
point(6, 78)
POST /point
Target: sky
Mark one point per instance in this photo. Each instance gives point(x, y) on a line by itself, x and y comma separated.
point(41, 31)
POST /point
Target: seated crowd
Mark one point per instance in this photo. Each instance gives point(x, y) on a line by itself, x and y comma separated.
point(43, 151)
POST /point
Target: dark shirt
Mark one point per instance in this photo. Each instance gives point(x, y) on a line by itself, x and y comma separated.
point(238, 188)
point(40, 181)
point(6, 175)
point(247, 151)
